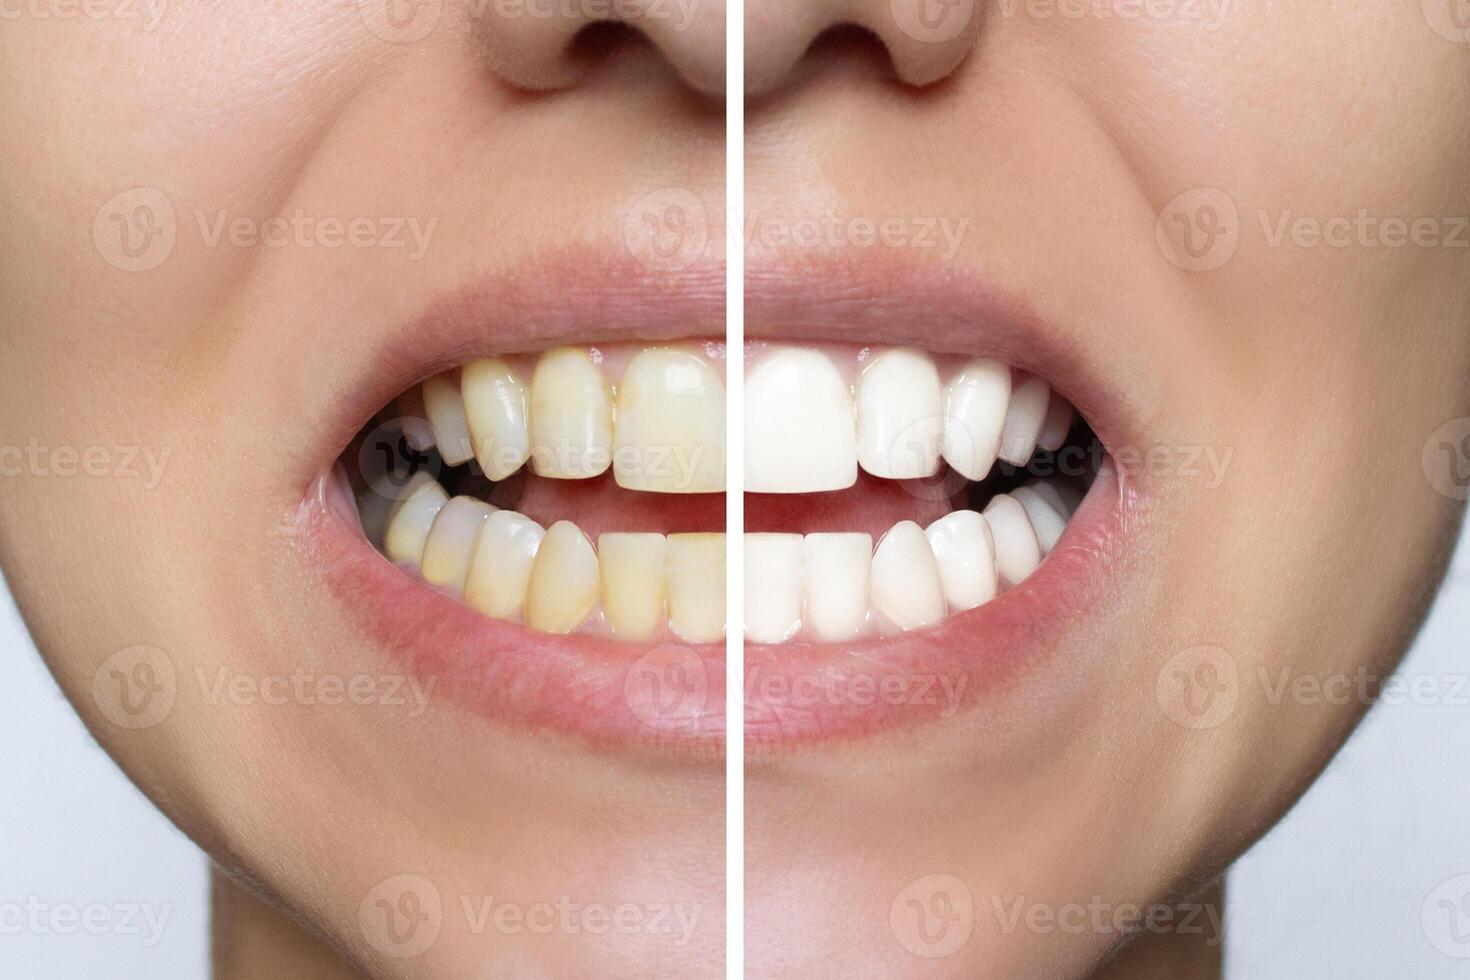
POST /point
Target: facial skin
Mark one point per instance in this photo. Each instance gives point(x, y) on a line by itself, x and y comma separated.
point(224, 359)
point(1320, 370)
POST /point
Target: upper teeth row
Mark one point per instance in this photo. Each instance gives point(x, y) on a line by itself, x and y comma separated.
point(808, 428)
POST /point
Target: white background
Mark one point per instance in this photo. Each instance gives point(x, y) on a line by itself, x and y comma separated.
point(1336, 891)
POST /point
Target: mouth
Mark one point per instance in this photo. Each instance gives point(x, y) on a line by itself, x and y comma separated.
point(541, 532)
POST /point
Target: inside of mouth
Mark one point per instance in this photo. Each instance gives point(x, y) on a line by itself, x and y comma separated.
point(582, 489)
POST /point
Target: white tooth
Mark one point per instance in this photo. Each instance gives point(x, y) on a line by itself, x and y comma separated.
point(1058, 423)
point(800, 430)
point(501, 569)
point(635, 578)
point(445, 409)
point(837, 570)
point(1046, 519)
point(772, 587)
point(496, 408)
point(563, 588)
point(975, 413)
point(451, 544)
point(412, 518)
point(571, 417)
point(1053, 496)
point(906, 584)
point(697, 587)
point(900, 416)
point(1024, 417)
point(1017, 552)
point(964, 550)
point(416, 429)
point(670, 425)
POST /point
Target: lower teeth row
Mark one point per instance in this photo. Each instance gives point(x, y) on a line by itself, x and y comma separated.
point(642, 587)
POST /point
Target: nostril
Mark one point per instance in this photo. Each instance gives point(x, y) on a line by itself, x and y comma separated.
point(852, 44)
point(597, 44)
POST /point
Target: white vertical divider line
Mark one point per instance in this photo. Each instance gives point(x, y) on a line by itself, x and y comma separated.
point(735, 491)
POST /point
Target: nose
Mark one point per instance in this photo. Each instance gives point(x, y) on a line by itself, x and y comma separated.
point(531, 43)
point(926, 39)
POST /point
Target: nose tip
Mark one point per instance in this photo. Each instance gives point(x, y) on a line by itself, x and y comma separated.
point(926, 40)
point(529, 43)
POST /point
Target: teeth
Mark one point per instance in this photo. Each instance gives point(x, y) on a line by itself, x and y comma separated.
point(495, 407)
point(1047, 518)
point(975, 413)
point(634, 583)
point(773, 587)
point(571, 417)
point(445, 409)
point(964, 550)
point(451, 543)
point(900, 416)
point(1024, 419)
point(412, 518)
point(416, 429)
point(800, 430)
point(501, 568)
point(837, 571)
point(1017, 552)
point(697, 586)
point(563, 588)
point(906, 584)
point(1059, 416)
point(671, 425)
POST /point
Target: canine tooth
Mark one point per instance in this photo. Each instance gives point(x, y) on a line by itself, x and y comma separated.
point(416, 429)
point(906, 584)
point(1046, 519)
point(563, 588)
point(445, 409)
point(1017, 551)
point(974, 414)
point(634, 583)
point(412, 518)
point(1024, 417)
point(1058, 422)
point(670, 433)
point(697, 586)
point(571, 417)
point(772, 587)
point(451, 544)
point(495, 406)
point(800, 427)
point(501, 568)
point(837, 571)
point(964, 550)
point(900, 422)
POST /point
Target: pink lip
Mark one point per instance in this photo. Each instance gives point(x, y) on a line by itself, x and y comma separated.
point(671, 698)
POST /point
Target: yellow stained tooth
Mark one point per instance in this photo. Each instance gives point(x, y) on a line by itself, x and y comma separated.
point(571, 421)
point(563, 589)
point(445, 408)
point(670, 425)
point(501, 568)
point(697, 586)
point(496, 408)
point(451, 543)
point(634, 583)
point(412, 518)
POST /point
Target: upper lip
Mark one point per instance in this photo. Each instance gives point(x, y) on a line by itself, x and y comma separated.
point(588, 688)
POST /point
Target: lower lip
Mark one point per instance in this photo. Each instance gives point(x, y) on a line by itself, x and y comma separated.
point(670, 698)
